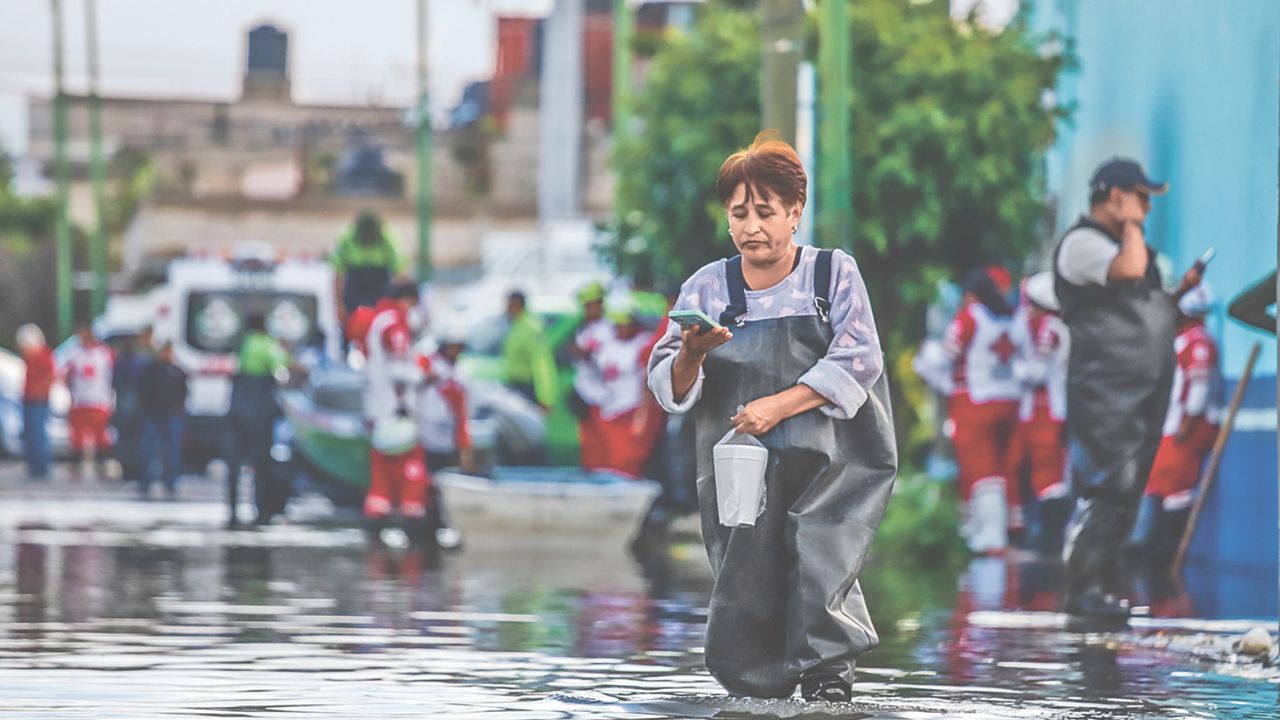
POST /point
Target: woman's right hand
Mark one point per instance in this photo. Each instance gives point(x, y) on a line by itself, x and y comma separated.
point(697, 343)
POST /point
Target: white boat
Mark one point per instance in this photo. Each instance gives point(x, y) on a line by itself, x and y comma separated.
point(542, 505)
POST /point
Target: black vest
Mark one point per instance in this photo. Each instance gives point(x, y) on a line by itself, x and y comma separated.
point(1121, 329)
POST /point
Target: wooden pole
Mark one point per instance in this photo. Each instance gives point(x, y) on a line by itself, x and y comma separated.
point(1215, 459)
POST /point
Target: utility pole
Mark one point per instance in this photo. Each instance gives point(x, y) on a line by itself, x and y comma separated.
point(835, 158)
point(424, 151)
point(560, 114)
point(98, 246)
point(623, 28)
point(62, 261)
point(623, 24)
point(782, 45)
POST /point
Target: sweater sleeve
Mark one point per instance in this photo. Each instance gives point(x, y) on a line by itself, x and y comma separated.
point(668, 346)
point(854, 360)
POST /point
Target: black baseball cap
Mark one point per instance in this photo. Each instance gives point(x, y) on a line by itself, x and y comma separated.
point(1127, 174)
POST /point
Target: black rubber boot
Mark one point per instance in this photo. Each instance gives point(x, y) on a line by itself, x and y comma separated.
point(1096, 612)
point(825, 687)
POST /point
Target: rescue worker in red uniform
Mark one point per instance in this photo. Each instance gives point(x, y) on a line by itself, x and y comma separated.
point(1190, 429)
point(88, 375)
point(1043, 348)
point(398, 476)
point(443, 431)
point(588, 386)
point(627, 421)
point(983, 409)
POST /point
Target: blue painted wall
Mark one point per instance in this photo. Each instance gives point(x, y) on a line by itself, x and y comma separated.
point(1191, 89)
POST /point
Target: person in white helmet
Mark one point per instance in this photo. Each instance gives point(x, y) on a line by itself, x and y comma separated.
point(983, 409)
point(443, 431)
point(1190, 428)
point(1041, 365)
point(398, 476)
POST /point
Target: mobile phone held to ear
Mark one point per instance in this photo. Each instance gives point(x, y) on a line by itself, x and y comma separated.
point(1203, 262)
point(693, 319)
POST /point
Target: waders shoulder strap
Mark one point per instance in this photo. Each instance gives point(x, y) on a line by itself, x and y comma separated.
point(735, 314)
point(822, 284)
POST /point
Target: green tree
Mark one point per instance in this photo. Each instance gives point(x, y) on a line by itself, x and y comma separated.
point(700, 103)
point(950, 122)
point(26, 257)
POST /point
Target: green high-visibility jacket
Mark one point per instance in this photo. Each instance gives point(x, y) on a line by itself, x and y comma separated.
point(261, 355)
point(527, 358)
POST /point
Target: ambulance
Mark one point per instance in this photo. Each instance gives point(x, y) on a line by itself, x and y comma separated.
point(211, 297)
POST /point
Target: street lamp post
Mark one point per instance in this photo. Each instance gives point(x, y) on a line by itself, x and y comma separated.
point(782, 44)
point(62, 228)
point(835, 159)
point(623, 24)
point(424, 151)
point(98, 246)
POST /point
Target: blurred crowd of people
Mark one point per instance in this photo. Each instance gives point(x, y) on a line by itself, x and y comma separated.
point(128, 403)
point(1003, 365)
point(1082, 405)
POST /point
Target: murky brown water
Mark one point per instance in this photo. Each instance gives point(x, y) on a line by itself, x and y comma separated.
point(144, 611)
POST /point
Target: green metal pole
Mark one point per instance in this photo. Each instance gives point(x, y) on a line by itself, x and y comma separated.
point(782, 37)
point(782, 45)
point(62, 259)
point(834, 157)
point(623, 28)
point(424, 151)
point(98, 248)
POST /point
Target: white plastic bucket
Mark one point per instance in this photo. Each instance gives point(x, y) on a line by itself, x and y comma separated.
point(739, 472)
point(394, 435)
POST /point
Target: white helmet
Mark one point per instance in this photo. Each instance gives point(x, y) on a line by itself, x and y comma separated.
point(1198, 301)
point(452, 333)
point(1040, 291)
point(30, 336)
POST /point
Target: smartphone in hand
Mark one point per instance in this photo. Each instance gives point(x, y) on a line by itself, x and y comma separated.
point(693, 319)
point(1203, 262)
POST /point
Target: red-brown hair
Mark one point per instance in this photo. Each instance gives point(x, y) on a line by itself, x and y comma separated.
point(769, 166)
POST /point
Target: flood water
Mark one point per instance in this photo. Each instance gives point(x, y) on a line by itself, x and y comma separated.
point(151, 610)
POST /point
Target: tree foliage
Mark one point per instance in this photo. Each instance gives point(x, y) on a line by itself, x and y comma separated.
point(700, 102)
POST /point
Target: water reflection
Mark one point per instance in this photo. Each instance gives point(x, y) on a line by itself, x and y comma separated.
point(310, 621)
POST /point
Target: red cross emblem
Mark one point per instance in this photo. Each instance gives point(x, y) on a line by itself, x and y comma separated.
point(1004, 348)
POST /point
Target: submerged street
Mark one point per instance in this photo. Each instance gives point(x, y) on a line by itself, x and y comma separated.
point(122, 608)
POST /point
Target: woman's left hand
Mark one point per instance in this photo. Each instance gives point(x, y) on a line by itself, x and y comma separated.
point(759, 416)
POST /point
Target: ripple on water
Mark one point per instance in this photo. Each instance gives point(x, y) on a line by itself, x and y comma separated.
point(152, 619)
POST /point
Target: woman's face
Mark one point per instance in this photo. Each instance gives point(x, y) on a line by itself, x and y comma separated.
point(761, 230)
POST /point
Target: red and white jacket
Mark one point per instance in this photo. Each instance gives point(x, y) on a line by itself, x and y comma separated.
point(982, 354)
point(442, 407)
point(389, 361)
point(1197, 385)
point(622, 366)
point(586, 379)
point(88, 377)
point(1044, 345)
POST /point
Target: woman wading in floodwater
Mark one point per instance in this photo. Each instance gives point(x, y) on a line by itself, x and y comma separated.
point(799, 354)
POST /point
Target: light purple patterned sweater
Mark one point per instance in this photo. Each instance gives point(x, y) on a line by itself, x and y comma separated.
point(852, 364)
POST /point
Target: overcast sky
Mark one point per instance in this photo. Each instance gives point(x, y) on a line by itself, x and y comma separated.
point(339, 50)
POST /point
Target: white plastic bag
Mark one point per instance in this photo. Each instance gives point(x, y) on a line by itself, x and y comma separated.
point(740, 462)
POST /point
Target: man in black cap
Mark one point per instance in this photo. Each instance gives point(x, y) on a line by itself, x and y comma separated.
point(1122, 326)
